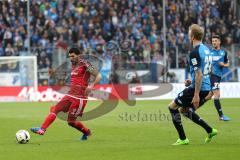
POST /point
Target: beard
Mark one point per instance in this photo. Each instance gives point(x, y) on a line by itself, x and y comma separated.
point(74, 62)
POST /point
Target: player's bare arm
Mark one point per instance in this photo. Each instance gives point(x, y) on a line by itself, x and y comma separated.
point(94, 72)
point(198, 83)
point(222, 64)
point(97, 76)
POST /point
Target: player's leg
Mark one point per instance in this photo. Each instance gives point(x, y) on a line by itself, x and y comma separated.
point(75, 110)
point(208, 97)
point(217, 103)
point(192, 115)
point(202, 101)
point(182, 99)
point(50, 118)
point(54, 110)
point(215, 84)
point(196, 119)
point(80, 126)
point(176, 119)
point(218, 106)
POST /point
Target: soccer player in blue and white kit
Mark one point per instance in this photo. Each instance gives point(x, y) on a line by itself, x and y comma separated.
point(189, 99)
point(220, 60)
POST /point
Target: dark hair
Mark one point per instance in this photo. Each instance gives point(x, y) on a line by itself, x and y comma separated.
point(216, 36)
point(74, 50)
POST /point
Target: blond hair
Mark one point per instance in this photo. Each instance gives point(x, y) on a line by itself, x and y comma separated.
point(197, 31)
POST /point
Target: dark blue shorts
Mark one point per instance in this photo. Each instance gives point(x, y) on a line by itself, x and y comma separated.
point(215, 82)
point(185, 97)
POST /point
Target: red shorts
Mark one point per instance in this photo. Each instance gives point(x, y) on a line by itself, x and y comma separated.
point(73, 106)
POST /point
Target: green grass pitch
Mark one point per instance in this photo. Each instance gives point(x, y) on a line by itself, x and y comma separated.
point(140, 132)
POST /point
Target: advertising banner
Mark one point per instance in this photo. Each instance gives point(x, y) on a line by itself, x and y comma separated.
point(112, 92)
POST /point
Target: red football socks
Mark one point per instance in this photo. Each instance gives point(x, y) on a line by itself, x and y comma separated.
point(79, 126)
point(48, 120)
point(75, 124)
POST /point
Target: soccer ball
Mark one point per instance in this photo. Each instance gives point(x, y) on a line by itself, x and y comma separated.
point(22, 136)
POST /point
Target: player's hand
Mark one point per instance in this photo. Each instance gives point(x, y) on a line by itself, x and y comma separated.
point(187, 82)
point(221, 64)
point(88, 90)
point(195, 101)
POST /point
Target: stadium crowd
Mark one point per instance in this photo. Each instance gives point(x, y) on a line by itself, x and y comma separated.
point(89, 23)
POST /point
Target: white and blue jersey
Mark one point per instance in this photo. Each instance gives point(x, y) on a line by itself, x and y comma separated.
point(201, 59)
point(218, 56)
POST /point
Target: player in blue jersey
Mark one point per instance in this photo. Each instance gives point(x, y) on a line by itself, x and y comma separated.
point(220, 60)
point(200, 60)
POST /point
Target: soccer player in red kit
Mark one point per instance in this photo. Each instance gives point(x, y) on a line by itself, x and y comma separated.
point(74, 102)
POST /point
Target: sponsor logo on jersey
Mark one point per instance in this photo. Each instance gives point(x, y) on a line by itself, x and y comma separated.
point(216, 58)
point(74, 73)
point(194, 61)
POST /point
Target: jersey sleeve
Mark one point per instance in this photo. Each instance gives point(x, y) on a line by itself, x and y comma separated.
point(195, 60)
point(89, 67)
point(226, 57)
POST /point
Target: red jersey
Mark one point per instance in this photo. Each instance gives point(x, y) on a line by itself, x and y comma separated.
point(80, 76)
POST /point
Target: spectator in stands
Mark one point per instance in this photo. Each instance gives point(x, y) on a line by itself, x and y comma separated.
point(7, 37)
point(89, 23)
point(9, 51)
